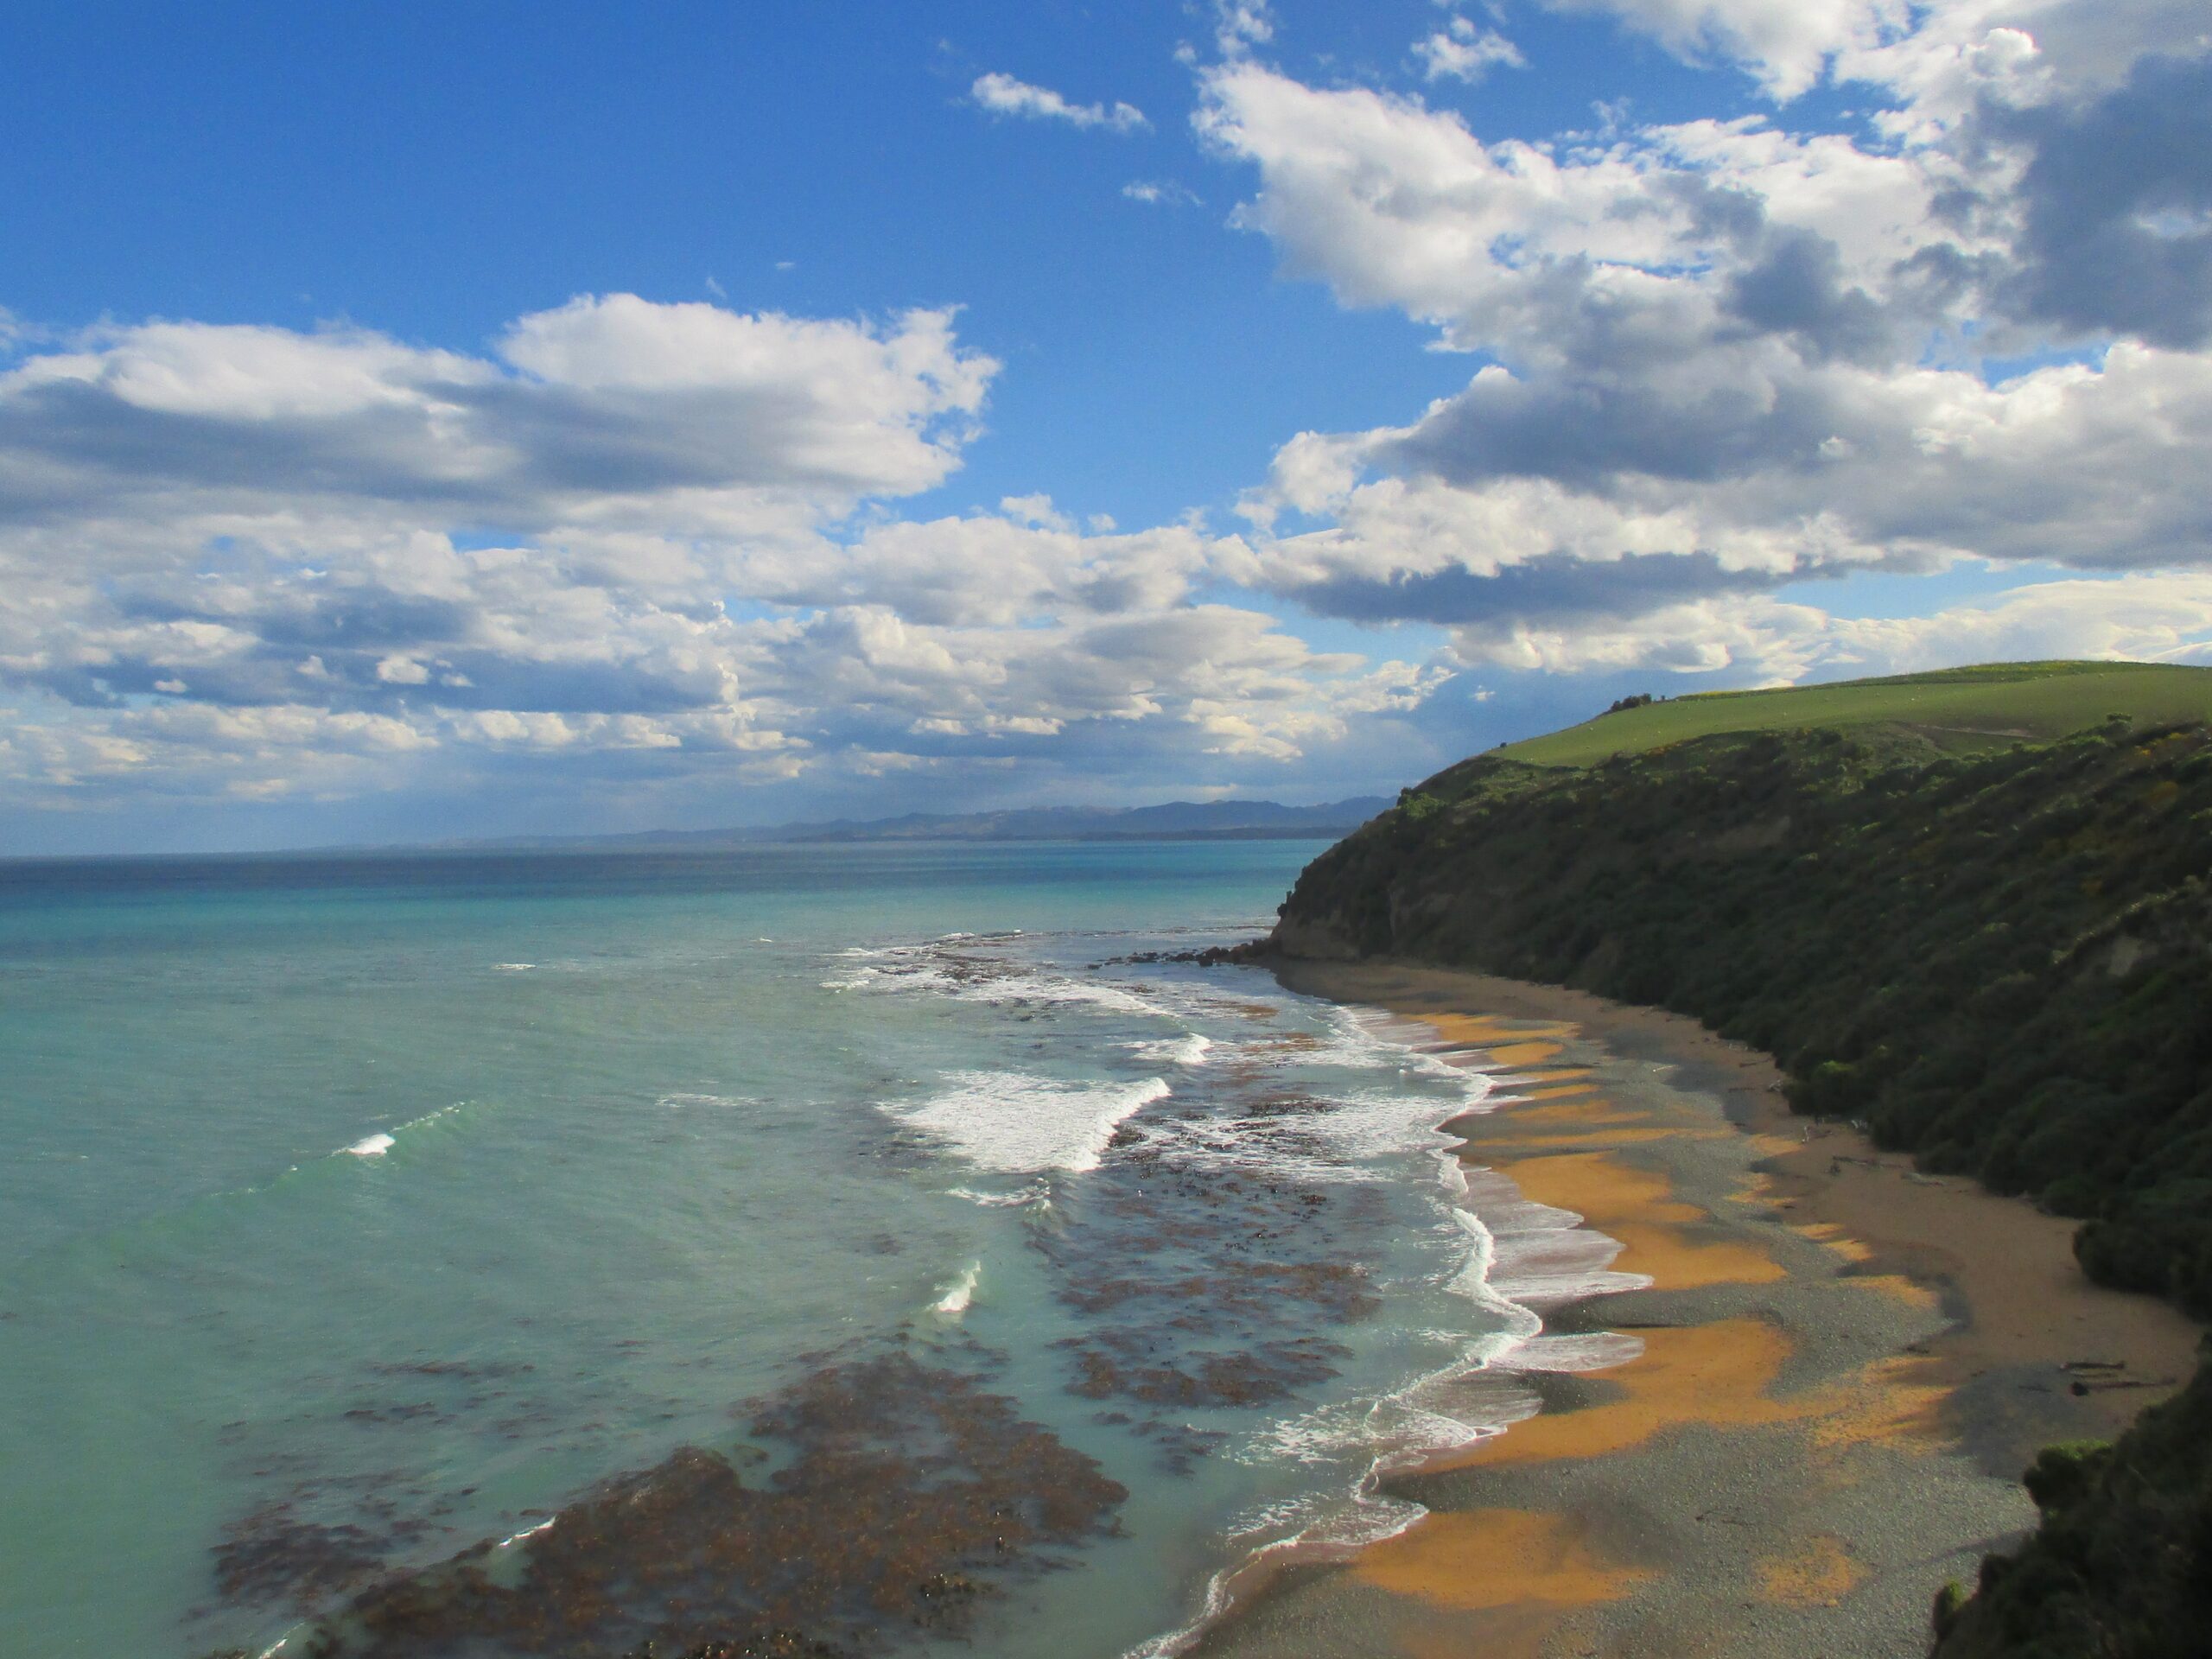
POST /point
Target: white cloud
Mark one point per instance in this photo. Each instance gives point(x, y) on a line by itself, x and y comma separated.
point(1784, 44)
point(613, 409)
point(2158, 616)
point(1931, 54)
point(1240, 25)
point(1004, 95)
point(1727, 355)
point(266, 529)
point(1035, 509)
point(641, 545)
point(1460, 51)
point(1160, 193)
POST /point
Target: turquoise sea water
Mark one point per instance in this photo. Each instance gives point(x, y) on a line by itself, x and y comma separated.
point(825, 1240)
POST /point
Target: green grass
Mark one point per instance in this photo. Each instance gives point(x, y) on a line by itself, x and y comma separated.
point(1955, 711)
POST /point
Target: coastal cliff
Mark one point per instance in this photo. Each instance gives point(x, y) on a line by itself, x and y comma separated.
point(2000, 962)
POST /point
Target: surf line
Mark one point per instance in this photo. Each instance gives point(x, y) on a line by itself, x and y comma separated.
point(1550, 1258)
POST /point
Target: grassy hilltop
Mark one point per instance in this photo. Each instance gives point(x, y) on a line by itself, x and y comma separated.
point(1955, 711)
point(1973, 910)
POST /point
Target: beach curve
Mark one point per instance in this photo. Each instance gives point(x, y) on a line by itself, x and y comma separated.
point(1844, 1365)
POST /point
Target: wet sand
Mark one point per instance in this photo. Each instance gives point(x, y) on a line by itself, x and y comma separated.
point(1845, 1367)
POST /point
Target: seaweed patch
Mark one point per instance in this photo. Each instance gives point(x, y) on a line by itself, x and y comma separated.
point(902, 1498)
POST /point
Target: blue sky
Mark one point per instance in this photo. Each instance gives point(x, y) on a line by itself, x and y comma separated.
point(485, 418)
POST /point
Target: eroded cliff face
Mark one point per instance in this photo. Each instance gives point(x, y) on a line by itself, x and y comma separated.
point(1316, 940)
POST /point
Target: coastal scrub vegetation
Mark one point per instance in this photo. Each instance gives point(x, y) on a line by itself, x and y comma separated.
point(2001, 961)
point(2122, 1563)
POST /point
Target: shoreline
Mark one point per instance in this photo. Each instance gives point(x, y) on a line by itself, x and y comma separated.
point(1844, 1365)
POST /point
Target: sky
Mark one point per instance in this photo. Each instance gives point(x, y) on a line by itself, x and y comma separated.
point(482, 419)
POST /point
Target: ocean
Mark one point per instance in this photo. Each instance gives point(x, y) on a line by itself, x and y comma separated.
point(845, 1245)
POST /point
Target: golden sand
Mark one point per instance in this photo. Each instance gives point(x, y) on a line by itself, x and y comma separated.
point(1820, 1574)
point(1527, 1573)
point(1599, 1187)
point(1911, 1292)
point(1828, 1233)
point(1477, 1561)
point(1516, 1054)
point(1519, 1144)
point(1577, 1104)
point(1898, 1401)
point(1673, 1262)
point(1716, 1374)
point(1589, 1116)
point(1638, 1207)
point(1482, 1030)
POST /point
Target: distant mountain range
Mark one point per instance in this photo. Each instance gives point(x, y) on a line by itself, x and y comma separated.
point(1173, 821)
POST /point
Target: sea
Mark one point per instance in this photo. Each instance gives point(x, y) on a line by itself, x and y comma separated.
point(876, 1249)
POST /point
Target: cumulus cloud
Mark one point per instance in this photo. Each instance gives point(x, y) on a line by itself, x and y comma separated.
point(1240, 25)
point(1707, 361)
point(1004, 95)
point(1785, 44)
point(1722, 356)
point(250, 564)
point(1929, 54)
point(609, 408)
point(2117, 231)
point(1460, 51)
point(2150, 618)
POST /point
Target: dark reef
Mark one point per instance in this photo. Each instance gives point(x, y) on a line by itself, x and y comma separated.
point(901, 1496)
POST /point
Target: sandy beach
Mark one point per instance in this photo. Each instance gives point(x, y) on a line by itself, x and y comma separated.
point(1844, 1366)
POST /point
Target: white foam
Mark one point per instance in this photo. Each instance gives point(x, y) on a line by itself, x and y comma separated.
point(514, 1538)
point(1281, 1158)
point(1038, 1193)
point(1520, 1256)
point(1396, 1429)
point(1333, 1532)
point(1540, 1256)
point(1316, 1518)
point(1517, 1323)
point(956, 1297)
point(514, 967)
point(1359, 1137)
point(972, 974)
point(375, 1145)
point(1596, 1350)
point(1364, 1127)
point(1027, 1125)
point(1055, 989)
point(1187, 1049)
point(1367, 1039)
